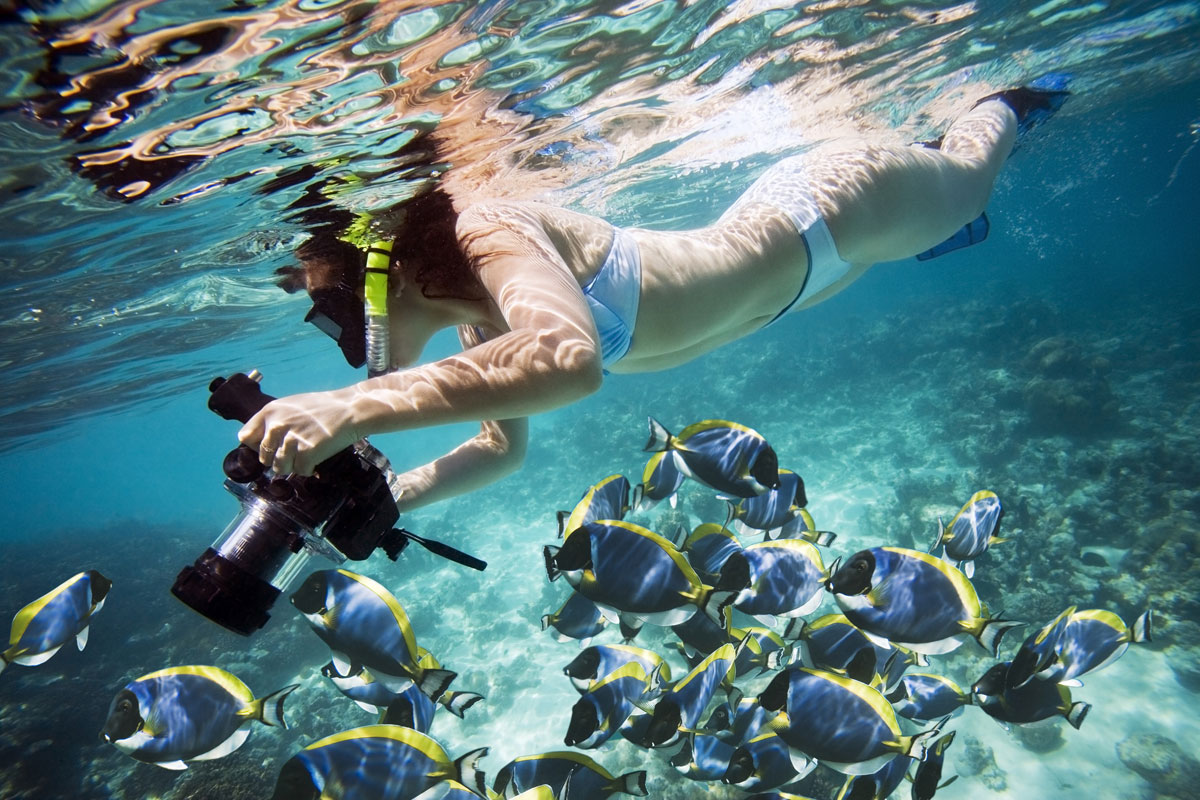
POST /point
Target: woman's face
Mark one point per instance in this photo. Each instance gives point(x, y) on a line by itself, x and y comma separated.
point(413, 319)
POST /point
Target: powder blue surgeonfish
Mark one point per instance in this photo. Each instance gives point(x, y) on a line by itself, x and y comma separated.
point(1077, 642)
point(594, 662)
point(601, 710)
point(878, 785)
point(924, 697)
point(375, 762)
point(1033, 702)
point(765, 761)
point(787, 578)
point(365, 626)
point(638, 576)
point(777, 510)
point(725, 456)
point(661, 479)
point(708, 547)
point(928, 778)
point(577, 618)
point(915, 600)
point(839, 722)
point(680, 707)
point(64, 613)
point(587, 780)
point(188, 713)
point(971, 532)
point(409, 707)
point(608, 499)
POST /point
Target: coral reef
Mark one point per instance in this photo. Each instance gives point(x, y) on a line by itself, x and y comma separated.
point(1172, 773)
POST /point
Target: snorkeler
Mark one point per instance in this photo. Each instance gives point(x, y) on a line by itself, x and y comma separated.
point(548, 300)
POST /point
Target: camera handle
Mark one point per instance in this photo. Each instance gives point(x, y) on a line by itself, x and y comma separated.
point(398, 538)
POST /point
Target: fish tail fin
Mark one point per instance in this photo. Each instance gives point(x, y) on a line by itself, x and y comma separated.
point(270, 708)
point(458, 702)
point(552, 570)
point(822, 538)
point(941, 536)
point(467, 772)
point(547, 619)
point(3, 662)
point(433, 682)
point(561, 517)
point(991, 631)
point(660, 437)
point(1077, 712)
point(714, 604)
point(919, 742)
point(795, 629)
point(1140, 632)
point(633, 783)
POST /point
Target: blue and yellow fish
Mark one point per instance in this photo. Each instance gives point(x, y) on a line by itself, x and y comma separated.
point(772, 509)
point(365, 627)
point(637, 576)
point(831, 642)
point(373, 762)
point(839, 722)
point(923, 697)
point(601, 710)
point(587, 778)
point(1032, 702)
point(661, 480)
point(878, 785)
point(594, 662)
point(608, 499)
point(764, 761)
point(408, 707)
point(722, 455)
point(802, 526)
point(1075, 643)
point(915, 600)
point(64, 613)
point(188, 713)
point(787, 578)
point(928, 778)
point(577, 618)
point(708, 547)
point(971, 532)
point(680, 707)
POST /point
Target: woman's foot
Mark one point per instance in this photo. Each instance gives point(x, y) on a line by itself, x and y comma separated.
point(1035, 101)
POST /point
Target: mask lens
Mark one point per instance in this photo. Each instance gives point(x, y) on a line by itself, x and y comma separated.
point(338, 313)
point(324, 324)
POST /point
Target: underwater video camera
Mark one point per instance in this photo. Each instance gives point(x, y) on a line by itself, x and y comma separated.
point(345, 509)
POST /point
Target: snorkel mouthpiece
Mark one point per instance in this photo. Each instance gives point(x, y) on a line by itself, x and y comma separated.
point(375, 314)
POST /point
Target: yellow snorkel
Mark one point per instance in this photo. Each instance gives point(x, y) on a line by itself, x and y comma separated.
point(375, 311)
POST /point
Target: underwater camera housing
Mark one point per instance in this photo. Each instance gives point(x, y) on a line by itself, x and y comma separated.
point(345, 509)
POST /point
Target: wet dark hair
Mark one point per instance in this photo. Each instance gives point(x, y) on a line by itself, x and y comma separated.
point(426, 248)
point(422, 229)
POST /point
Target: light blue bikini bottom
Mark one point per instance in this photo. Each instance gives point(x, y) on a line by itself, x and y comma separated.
point(613, 294)
point(785, 186)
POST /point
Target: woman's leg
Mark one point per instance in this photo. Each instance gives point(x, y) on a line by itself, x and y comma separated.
point(890, 202)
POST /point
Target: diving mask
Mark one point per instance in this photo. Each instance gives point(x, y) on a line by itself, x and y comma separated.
point(359, 324)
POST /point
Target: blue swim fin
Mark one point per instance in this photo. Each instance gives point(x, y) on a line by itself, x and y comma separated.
point(1036, 101)
point(973, 232)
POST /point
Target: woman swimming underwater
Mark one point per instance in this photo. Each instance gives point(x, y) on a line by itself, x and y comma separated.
point(547, 300)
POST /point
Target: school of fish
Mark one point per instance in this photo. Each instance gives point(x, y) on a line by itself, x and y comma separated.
point(766, 693)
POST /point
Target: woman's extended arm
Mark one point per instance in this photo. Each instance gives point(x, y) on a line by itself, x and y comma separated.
point(495, 453)
point(548, 358)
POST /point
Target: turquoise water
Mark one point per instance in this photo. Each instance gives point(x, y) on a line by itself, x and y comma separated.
point(1057, 363)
